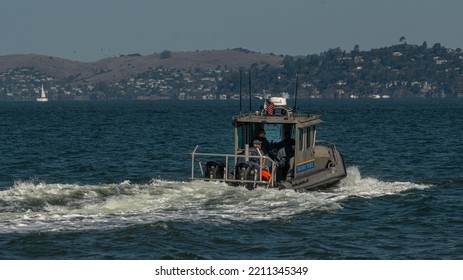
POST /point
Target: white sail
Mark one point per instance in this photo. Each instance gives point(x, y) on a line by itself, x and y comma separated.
point(43, 95)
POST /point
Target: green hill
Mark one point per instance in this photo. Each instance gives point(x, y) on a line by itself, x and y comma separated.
point(396, 71)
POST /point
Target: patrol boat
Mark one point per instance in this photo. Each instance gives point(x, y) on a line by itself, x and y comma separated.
point(294, 160)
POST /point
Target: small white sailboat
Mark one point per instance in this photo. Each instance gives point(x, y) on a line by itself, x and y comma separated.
point(43, 97)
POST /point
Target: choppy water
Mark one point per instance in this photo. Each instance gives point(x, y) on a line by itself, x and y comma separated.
point(108, 180)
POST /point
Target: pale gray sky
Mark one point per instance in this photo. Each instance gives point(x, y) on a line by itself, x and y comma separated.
point(89, 30)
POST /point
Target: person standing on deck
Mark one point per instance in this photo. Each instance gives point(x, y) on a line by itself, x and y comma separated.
point(256, 150)
point(265, 145)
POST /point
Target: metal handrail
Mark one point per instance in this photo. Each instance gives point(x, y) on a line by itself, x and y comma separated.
point(226, 170)
point(330, 145)
point(327, 143)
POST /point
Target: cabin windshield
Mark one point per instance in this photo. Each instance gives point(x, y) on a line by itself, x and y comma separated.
point(274, 133)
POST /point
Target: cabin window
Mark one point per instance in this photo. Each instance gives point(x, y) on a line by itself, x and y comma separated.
point(301, 139)
point(313, 135)
point(240, 137)
point(308, 142)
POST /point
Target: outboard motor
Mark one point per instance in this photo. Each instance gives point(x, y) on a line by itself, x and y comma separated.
point(214, 170)
point(246, 171)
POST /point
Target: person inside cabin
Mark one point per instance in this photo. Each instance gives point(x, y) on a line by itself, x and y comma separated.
point(265, 145)
point(286, 142)
point(285, 156)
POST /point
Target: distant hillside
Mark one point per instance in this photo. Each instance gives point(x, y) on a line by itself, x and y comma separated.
point(398, 71)
point(119, 68)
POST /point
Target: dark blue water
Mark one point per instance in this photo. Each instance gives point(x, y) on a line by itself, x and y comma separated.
point(109, 181)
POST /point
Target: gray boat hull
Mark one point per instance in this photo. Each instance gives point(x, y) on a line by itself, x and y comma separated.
point(318, 179)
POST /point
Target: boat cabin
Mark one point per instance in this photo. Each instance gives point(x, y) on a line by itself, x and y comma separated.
point(279, 122)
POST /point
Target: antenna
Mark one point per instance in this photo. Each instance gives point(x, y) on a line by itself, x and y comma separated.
point(250, 94)
point(295, 94)
point(241, 86)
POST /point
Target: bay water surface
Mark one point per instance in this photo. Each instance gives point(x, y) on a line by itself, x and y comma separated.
point(90, 180)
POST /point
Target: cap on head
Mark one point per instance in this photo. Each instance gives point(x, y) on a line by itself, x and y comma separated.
point(257, 142)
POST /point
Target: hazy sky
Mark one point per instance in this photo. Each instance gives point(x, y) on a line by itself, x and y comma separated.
point(88, 30)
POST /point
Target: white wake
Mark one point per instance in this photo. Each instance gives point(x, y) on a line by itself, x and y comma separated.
point(62, 207)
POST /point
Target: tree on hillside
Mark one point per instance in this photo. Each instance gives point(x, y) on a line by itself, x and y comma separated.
point(424, 46)
point(165, 54)
point(402, 40)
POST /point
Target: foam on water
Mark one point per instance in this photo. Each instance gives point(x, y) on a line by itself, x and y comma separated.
point(54, 207)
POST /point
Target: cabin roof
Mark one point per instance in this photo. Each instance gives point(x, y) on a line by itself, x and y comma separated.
point(301, 120)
